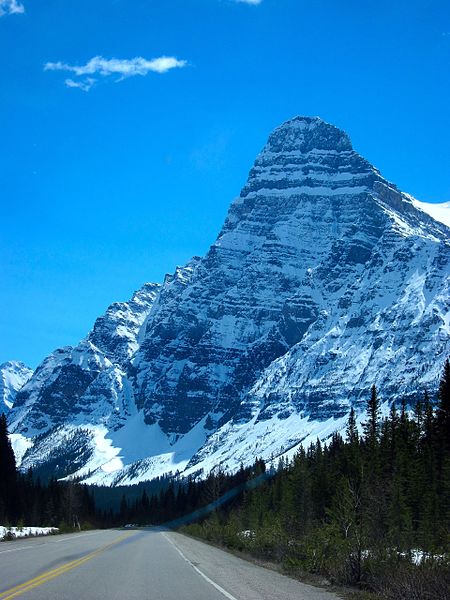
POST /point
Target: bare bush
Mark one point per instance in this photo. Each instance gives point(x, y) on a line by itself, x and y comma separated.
point(428, 581)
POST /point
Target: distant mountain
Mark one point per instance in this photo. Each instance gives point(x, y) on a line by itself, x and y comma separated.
point(324, 280)
point(86, 383)
point(13, 375)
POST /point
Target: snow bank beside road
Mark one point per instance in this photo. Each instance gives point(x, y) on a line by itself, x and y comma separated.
point(18, 532)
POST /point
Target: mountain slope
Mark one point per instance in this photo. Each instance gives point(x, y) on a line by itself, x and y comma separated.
point(13, 376)
point(324, 279)
point(440, 211)
point(85, 383)
point(316, 236)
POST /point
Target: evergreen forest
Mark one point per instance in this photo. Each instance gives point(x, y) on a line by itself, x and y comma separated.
point(369, 509)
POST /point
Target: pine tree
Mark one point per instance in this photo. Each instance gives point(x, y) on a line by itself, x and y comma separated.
point(418, 414)
point(124, 510)
point(296, 501)
point(443, 412)
point(443, 450)
point(7, 459)
point(372, 425)
point(428, 420)
point(8, 474)
point(352, 430)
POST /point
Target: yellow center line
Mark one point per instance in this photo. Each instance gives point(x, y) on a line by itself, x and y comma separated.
point(49, 575)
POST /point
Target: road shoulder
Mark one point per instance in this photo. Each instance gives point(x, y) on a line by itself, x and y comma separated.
point(245, 579)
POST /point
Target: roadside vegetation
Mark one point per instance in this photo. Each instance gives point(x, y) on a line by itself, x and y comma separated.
point(369, 510)
point(26, 501)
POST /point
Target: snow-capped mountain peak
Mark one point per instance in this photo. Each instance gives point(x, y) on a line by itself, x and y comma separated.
point(301, 135)
point(324, 280)
point(116, 332)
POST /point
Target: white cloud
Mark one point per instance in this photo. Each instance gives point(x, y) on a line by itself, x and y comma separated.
point(254, 2)
point(84, 84)
point(114, 66)
point(10, 7)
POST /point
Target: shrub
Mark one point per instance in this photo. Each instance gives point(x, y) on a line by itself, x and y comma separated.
point(405, 581)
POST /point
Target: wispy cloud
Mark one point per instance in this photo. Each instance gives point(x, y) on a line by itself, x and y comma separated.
point(254, 2)
point(103, 67)
point(11, 7)
point(83, 84)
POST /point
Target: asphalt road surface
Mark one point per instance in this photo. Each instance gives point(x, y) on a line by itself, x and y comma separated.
point(137, 565)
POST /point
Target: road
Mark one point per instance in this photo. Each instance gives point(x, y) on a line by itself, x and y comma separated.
point(137, 565)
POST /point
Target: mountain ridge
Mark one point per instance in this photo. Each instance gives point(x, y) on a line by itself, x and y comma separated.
point(324, 279)
point(13, 376)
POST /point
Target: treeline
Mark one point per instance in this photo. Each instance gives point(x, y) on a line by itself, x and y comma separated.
point(386, 488)
point(361, 509)
point(24, 500)
point(109, 499)
point(182, 501)
point(358, 509)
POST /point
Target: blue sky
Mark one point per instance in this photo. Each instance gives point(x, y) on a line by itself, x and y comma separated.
point(112, 173)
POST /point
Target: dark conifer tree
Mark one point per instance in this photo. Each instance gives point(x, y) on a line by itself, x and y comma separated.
point(124, 508)
point(372, 425)
point(418, 413)
point(442, 434)
point(352, 430)
point(443, 411)
point(8, 475)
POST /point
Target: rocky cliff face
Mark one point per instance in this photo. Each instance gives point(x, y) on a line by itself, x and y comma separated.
point(324, 280)
point(86, 383)
point(318, 247)
point(13, 376)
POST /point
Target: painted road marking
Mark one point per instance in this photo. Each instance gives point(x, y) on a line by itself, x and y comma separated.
point(49, 575)
point(29, 546)
point(205, 577)
point(72, 537)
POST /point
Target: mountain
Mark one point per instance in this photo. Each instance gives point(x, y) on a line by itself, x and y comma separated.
point(13, 375)
point(324, 280)
point(86, 382)
point(85, 386)
point(440, 211)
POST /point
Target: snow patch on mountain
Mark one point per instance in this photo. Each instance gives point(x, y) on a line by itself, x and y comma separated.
point(229, 447)
point(20, 445)
point(87, 383)
point(153, 455)
point(13, 376)
point(439, 211)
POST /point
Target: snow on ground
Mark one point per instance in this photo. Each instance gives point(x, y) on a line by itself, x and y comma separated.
point(150, 455)
point(20, 445)
point(104, 456)
point(19, 532)
point(269, 440)
point(138, 452)
point(419, 556)
point(117, 461)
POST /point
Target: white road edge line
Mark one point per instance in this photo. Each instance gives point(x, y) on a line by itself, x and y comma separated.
point(205, 577)
point(73, 537)
point(21, 548)
point(45, 543)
